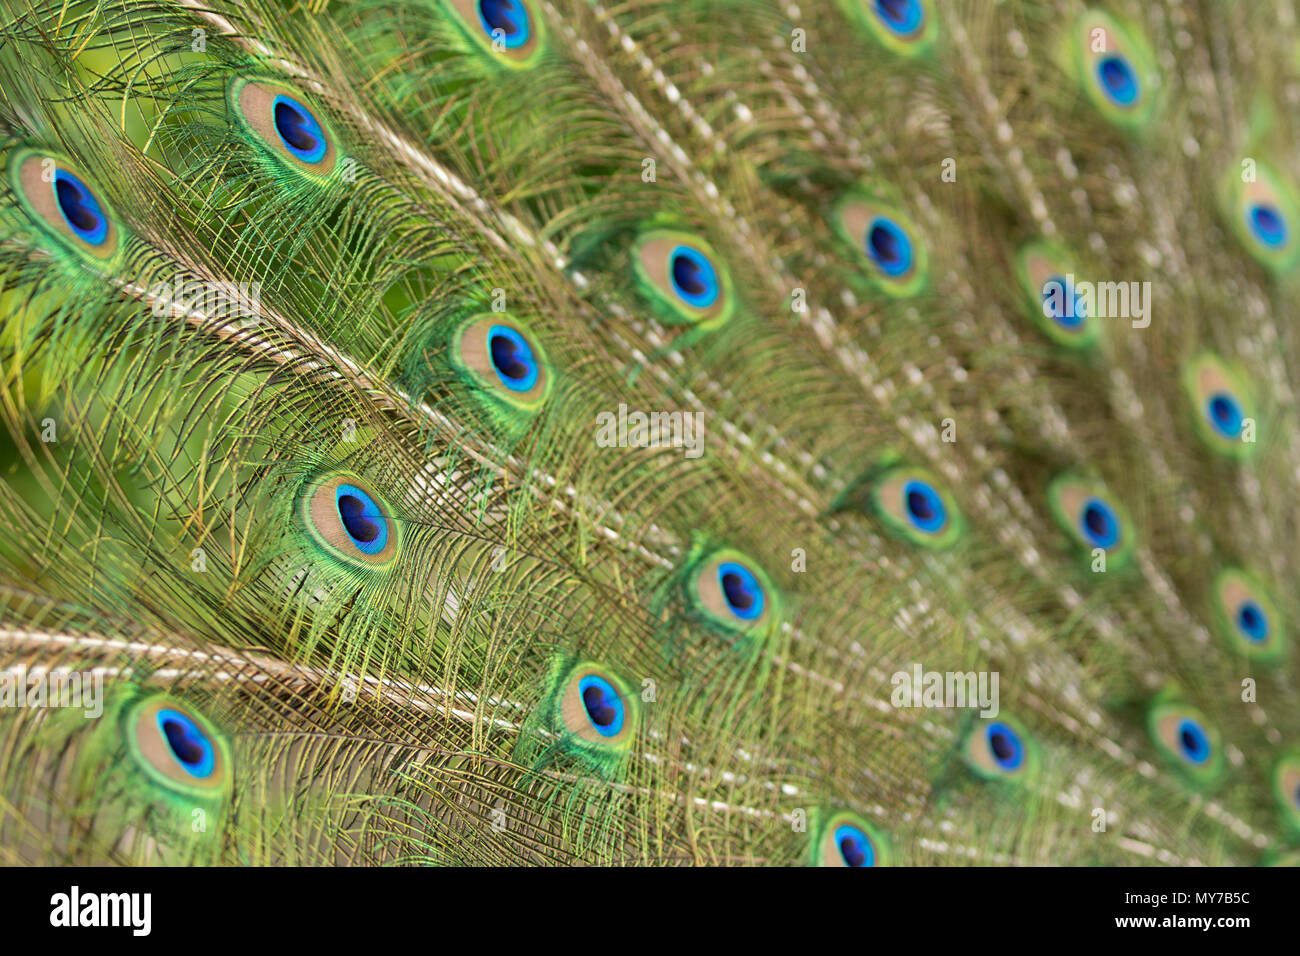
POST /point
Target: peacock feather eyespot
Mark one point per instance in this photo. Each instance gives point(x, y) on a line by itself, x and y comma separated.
point(1047, 276)
point(1223, 413)
point(1286, 788)
point(512, 358)
point(1092, 517)
point(740, 588)
point(298, 129)
point(1247, 618)
point(351, 521)
point(1264, 213)
point(1099, 523)
point(510, 30)
point(913, 504)
point(896, 258)
point(683, 278)
point(731, 591)
point(361, 519)
point(281, 122)
point(905, 27)
point(888, 246)
point(1224, 409)
point(1268, 224)
point(508, 16)
point(1186, 740)
point(999, 749)
point(594, 709)
point(603, 706)
point(502, 361)
point(63, 204)
point(848, 840)
point(1115, 67)
point(176, 746)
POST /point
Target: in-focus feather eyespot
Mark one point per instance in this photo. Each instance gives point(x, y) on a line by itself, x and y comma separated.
point(895, 257)
point(1048, 277)
point(1286, 788)
point(1264, 213)
point(1092, 517)
point(1281, 856)
point(511, 31)
point(906, 27)
point(502, 360)
point(283, 124)
point(999, 749)
point(596, 709)
point(731, 591)
point(1222, 405)
point(348, 518)
point(850, 841)
point(683, 277)
point(62, 202)
point(1115, 67)
point(177, 747)
point(1187, 740)
point(913, 503)
point(1247, 618)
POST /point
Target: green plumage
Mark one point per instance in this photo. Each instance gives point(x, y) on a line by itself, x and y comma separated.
point(557, 432)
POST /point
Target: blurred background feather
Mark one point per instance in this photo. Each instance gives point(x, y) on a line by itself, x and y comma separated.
point(311, 312)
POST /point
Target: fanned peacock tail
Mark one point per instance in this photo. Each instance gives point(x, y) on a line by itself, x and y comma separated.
point(552, 431)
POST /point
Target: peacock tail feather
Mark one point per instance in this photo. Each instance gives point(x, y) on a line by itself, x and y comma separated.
point(477, 432)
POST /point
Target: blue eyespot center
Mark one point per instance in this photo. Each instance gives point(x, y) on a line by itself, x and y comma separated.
point(1268, 224)
point(513, 358)
point(903, 17)
point(362, 519)
point(188, 744)
point(1225, 414)
point(694, 278)
point(1005, 745)
point(603, 705)
point(508, 16)
point(743, 593)
point(298, 129)
point(1118, 80)
point(924, 506)
point(854, 846)
point(1193, 742)
point(80, 209)
point(888, 246)
point(1252, 621)
point(1099, 523)
point(1069, 313)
